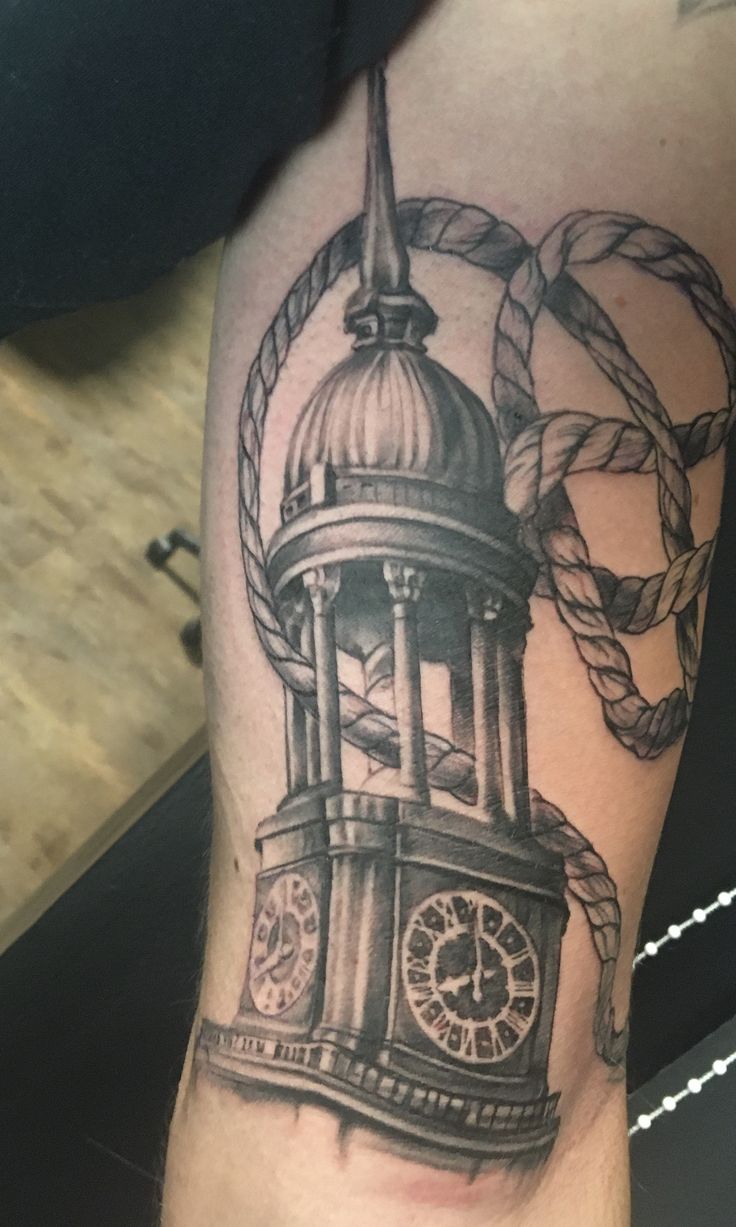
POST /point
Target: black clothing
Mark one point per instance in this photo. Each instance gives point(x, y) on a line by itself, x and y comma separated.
point(132, 130)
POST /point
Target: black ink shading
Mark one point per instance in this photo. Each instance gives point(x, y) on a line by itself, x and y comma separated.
point(406, 943)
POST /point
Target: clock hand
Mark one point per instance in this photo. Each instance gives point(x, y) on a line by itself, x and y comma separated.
point(451, 984)
point(478, 971)
point(273, 960)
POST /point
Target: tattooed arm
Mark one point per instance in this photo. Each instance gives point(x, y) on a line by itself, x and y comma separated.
point(454, 570)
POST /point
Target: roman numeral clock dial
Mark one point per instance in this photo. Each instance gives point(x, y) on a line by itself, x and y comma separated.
point(283, 954)
point(471, 975)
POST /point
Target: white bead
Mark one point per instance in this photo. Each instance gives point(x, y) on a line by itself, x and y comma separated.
point(644, 1121)
point(720, 1067)
point(699, 915)
point(694, 1085)
point(669, 1103)
point(675, 931)
point(725, 898)
point(651, 948)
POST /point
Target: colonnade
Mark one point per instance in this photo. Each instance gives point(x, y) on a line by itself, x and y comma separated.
point(486, 688)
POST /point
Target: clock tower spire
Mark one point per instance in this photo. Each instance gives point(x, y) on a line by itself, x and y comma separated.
point(386, 309)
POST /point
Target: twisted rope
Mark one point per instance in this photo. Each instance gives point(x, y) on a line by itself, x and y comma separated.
point(538, 460)
point(542, 451)
point(588, 881)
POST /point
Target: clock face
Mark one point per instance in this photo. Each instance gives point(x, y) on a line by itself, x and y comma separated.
point(471, 975)
point(284, 948)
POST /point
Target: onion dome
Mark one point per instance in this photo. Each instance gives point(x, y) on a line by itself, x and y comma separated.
point(394, 409)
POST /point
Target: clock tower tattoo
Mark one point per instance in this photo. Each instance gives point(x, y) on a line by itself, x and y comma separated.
point(405, 952)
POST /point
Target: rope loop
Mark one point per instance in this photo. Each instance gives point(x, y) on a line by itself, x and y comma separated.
point(544, 449)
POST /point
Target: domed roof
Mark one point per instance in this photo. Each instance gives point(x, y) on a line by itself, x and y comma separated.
point(395, 409)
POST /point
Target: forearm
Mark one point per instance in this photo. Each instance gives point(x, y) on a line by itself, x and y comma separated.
point(432, 938)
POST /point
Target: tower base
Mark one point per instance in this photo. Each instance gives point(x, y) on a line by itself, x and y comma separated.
point(465, 1126)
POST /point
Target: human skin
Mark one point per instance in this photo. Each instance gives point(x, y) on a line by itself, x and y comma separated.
point(532, 112)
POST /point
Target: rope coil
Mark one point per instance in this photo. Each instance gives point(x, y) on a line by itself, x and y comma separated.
point(541, 451)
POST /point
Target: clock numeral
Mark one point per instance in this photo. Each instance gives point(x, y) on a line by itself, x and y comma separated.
point(435, 1016)
point(491, 920)
point(421, 992)
point(418, 962)
point(463, 910)
point(461, 1041)
point(448, 914)
point(457, 1041)
point(442, 1024)
point(517, 957)
point(489, 1042)
point(433, 920)
point(509, 1033)
point(484, 1044)
point(416, 976)
point(513, 942)
point(516, 1019)
point(420, 944)
point(502, 1039)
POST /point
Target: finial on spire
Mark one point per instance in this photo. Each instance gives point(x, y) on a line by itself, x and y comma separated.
point(385, 309)
point(384, 262)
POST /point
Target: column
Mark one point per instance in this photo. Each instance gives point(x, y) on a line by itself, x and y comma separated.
point(378, 685)
point(483, 612)
point(311, 727)
point(512, 722)
point(358, 958)
point(405, 585)
point(296, 741)
point(461, 694)
point(323, 584)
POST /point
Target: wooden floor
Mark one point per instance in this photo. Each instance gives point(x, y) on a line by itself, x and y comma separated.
point(101, 419)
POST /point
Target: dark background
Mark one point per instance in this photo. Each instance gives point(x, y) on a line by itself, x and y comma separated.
point(133, 131)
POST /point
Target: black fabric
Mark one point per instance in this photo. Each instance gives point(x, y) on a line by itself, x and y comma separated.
point(96, 1002)
point(133, 129)
point(682, 1168)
